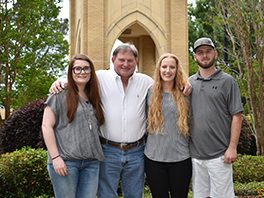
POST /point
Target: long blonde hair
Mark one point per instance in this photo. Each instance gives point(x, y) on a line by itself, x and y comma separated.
point(155, 114)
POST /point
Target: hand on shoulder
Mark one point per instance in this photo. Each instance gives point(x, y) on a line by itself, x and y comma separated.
point(187, 90)
point(57, 87)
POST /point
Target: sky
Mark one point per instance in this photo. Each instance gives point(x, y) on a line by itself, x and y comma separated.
point(65, 9)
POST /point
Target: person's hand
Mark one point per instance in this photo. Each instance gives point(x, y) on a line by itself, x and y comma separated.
point(57, 87)
point(230, 156)
point(60, 166)
point(187, 90)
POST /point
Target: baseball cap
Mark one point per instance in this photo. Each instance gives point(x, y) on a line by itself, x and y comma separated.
point(203, 41)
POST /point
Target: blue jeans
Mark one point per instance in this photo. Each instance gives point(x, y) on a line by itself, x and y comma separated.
point(128, 165)
point(81, 180)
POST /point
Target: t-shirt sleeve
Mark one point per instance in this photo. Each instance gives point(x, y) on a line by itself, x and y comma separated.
point(234, 99)
point(55, 106)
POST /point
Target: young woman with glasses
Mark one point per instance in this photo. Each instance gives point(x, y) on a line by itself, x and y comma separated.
point(70, 129)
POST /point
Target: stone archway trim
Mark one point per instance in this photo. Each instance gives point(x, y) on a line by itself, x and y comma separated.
point(155, 31)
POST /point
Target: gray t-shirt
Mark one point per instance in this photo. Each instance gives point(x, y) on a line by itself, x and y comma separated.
point(214, 101)
point(169, 146)
point(75, 140)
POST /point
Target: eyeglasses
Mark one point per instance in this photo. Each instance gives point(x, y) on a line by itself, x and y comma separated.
point(78, 70)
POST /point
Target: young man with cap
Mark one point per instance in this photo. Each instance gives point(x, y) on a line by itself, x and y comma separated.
point(217, 118)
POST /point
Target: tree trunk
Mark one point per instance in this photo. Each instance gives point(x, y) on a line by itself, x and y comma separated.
point(7, 106)
point(242, 22)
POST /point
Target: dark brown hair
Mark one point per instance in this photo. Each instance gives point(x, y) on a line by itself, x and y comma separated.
point(91, 90)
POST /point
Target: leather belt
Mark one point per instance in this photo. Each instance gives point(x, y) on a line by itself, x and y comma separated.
point(122, 146)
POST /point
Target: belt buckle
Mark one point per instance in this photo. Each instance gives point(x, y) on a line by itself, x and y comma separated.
point(123, 145)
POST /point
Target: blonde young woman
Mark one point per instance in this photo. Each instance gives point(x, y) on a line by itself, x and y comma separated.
point(167, 157)
point(70, 128)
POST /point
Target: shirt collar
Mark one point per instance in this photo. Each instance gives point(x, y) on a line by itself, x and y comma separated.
point(117, 76)
point(214, 76)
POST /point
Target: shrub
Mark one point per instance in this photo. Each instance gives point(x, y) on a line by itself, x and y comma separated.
point(23, 128)
point(252, 188)
point(245, 139)
point(23, 173)
point(248, 168)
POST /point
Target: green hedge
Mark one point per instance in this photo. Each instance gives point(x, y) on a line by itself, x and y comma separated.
point(248, 168)
point(23, 174)
point(252, 188)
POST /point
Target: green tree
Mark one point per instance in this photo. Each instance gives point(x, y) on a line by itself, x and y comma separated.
point(193, 66)
point(245, 26)
point(32, 50)
point(199, 20)
point(201, 23)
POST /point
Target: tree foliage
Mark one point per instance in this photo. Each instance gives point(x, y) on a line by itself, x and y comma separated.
point(245, 26)
point(199, 21)
point(32, 50)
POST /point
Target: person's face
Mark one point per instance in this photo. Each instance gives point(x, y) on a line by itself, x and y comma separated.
point(125, 64)
point(205, 56)
point(81, 72)
point(168, 69)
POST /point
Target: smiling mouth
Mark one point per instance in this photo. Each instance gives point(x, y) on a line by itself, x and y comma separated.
point(167, 75)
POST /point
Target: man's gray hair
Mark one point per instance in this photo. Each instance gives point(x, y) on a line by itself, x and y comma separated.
point(126, 47)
